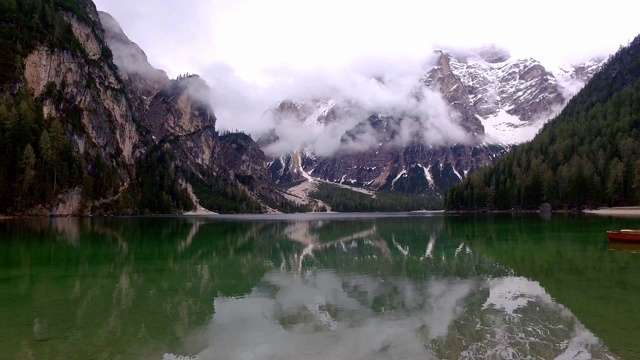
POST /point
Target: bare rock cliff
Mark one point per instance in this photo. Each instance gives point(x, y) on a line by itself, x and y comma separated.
point(85, 89)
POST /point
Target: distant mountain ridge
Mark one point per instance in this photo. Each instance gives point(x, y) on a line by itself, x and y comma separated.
point(496, 101)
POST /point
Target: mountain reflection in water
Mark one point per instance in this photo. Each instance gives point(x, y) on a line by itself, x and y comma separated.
point(326, 315)
point(349, 287)
point(347, 313)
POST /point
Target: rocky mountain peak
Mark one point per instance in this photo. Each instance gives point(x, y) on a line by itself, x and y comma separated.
point(510, 98)
point(443, 79)
point(443, 62)
point(131, 60)
point(293, 108)
point(493, 54)
point(180, 108)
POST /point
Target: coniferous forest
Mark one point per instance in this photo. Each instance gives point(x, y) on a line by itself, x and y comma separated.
point(588, 156)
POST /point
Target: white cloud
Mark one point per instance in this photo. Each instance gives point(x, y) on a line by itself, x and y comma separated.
point(256, 36)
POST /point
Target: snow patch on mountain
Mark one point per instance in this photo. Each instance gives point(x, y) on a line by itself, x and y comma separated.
point(428, 176)
point(511, 97)
point(504, 128)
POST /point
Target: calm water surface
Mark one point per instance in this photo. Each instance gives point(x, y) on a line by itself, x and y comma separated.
point(318, 287)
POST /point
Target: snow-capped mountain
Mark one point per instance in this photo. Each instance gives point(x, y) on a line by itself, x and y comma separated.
point(492, 99)
point(511, 98)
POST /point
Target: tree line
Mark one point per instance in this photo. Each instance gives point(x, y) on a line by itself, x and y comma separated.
point(343, 200)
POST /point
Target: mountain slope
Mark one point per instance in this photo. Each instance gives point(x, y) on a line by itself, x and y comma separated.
point(88, 126)
point(587, 156)
point(509, 98)
point(64, 108)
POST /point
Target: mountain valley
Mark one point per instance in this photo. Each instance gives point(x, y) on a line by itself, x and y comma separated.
point(90, 127)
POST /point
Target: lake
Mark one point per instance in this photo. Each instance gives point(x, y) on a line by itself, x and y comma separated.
point(325, 286)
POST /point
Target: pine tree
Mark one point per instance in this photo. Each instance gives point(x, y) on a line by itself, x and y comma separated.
point(27, 164)
point(46, 150)
point(58, 140)
point(615, 182)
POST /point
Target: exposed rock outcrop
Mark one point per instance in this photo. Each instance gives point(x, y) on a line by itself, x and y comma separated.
point(91, 95)
point(488, 83)
point(245, 162)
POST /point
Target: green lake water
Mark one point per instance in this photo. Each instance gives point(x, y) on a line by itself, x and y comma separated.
point(332, 286)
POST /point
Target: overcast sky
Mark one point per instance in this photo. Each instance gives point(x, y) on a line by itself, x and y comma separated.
point(253, 47)
point(258, 36)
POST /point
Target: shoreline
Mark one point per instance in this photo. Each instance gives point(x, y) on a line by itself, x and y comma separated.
point(631, 211)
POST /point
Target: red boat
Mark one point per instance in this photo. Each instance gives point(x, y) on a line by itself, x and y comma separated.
point(624, 235)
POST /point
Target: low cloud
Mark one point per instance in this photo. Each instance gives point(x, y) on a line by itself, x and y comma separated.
point(311, 51)
point(385, 87)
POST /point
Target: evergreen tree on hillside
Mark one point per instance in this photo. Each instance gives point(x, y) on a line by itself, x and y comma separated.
point(586, 156)
point(39, 161)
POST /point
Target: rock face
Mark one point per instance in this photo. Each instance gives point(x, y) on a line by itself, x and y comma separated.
point(245, 162)
point(123, 116)
point(413, 168)
point(495, 99)
point(87, 90)
point(173, 114)
point(179, 109)
point(443, 79)
point(510, 98)
point(178, 116)
point(185, 125)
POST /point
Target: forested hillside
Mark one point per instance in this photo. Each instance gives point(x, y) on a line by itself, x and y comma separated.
point(343, 200)
point(38, 159)
point(587, 156)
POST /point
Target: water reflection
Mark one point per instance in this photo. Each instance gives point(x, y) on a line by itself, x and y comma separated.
point(402, 287)
point(622, 246)
point(568, 256)
point(326, 315)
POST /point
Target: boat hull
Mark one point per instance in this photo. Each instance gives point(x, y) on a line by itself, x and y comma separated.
point(630, 246)
point(625, 236)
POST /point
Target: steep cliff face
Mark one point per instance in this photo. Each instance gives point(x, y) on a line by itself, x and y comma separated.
point(246, 163)
point(180, 108)
point(177, 117)
point(84, 89)
point(443, 79)
point(137, 141)
point(172, 113)
point(133, 66)
point(142, 80)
